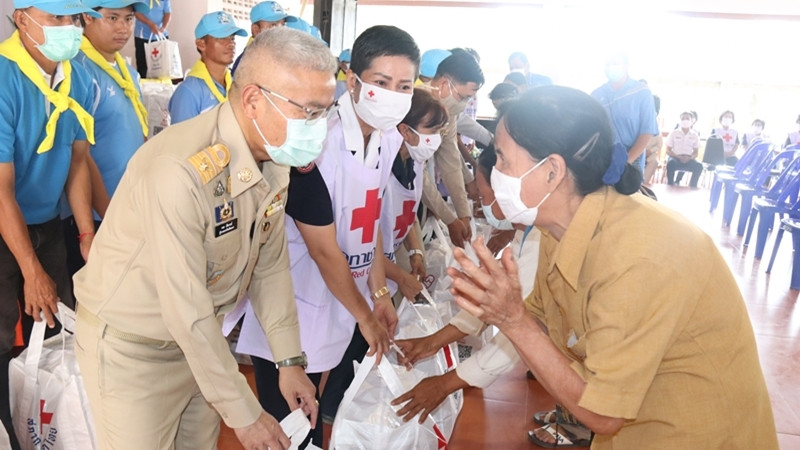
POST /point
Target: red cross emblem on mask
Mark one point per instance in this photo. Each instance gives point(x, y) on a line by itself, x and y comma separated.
point(371, 94)
point(366, 216)
point(427, 140)
point(405, 219)
point(44, 418)
point(727, 137)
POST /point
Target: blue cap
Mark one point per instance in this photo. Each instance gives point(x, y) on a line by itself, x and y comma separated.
point(58, 7)
point(430, 61)
point(299, 24)
point(345, 55)
point(138, 6)
point(217, 24)
point(315, 32)
point(269, 12)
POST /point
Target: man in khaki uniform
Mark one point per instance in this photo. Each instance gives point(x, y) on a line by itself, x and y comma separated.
point(197, 221)
point(458, 78)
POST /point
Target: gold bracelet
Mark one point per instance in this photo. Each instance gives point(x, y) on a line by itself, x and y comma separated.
point(380, 293)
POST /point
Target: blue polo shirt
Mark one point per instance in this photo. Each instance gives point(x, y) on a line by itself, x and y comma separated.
point(39, 178)
point(191, 98)
point(156, 14)
point(117, 131)
point(631, 110)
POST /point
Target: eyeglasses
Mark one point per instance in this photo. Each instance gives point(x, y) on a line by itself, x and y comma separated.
point(312, 115)
point(454, 91)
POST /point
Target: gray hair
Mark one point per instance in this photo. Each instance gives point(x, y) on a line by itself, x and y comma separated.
point(286, 47)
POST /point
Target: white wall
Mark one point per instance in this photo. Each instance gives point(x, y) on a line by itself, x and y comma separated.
point(6, 27)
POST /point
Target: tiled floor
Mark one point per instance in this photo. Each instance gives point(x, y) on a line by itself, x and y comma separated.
point(499, 417)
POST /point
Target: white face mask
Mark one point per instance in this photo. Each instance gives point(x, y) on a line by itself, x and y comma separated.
point(427, 146)
point(757, 129)
point(508, 192)
point(726, 121)
point(686, 123)
point(381, 108)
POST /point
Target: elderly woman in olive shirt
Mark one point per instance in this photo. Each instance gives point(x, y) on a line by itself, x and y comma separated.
point(645, 340)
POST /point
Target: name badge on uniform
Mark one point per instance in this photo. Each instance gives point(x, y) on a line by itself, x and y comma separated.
point(225, 228)
point(223, 212)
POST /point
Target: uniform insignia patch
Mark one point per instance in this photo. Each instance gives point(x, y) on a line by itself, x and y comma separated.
point(224, 212)
point(210, 161)
point(245, 175)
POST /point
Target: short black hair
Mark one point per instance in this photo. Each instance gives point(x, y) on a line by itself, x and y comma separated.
point(486, 161)
point(733, 117)
point(503, 91)
point(425, 111)
point(462, 68)
point(516, 78)
point(763, 124)
point(382, 40)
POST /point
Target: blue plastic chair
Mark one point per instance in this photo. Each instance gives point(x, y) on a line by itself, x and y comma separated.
point(781, 199)
point(791, 225)
point(761, 184)
point(761, 155)
point(753, 155)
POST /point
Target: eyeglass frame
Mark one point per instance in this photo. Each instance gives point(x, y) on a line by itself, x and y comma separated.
point(453, 90)
point(323, 112)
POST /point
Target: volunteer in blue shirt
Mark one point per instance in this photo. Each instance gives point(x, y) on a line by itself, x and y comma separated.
point(629, 104)
point(209, 80)
point(149, 25)
point(264, 16)
point(44, 139)
point(120, 118)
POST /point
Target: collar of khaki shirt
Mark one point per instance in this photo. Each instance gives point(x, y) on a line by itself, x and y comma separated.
point(571, 251)
point(244, 171)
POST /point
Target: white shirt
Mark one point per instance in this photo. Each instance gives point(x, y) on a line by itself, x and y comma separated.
point(683, 143)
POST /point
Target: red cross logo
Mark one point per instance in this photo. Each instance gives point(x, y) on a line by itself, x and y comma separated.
point(371, 94)
point(155, 53)
point(727, 137)
point(405, 219)
point(44, 418)
point(427, 140)
point(366, 216)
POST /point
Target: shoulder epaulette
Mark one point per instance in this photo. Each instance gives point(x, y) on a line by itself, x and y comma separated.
point(210, 161)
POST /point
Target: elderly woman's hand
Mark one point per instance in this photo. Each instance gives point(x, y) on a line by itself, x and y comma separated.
point(490, 291)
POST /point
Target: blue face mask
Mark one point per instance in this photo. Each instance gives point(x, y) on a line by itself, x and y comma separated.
point(61, 43)
point(303, 141)
point(496, 223)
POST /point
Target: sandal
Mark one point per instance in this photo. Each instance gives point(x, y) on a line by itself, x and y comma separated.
point(543, 418)
point(565, 436)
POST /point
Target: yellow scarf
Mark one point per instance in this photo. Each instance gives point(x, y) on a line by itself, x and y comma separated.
point(199, 70)
point(125, 80)
point(12, 49)
point(157, 3)
point(341, 75)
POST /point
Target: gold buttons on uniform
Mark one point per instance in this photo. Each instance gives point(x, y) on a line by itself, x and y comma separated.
point(245, 175)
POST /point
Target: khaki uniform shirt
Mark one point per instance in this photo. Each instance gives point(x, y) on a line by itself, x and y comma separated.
point(189, 230)
point(647, 309)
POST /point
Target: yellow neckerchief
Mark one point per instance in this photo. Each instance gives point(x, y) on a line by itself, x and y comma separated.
point(249, 41)
point(341, 76)
point(124, 80)
point(199, 70)
point(12, 49)
point(157, 3)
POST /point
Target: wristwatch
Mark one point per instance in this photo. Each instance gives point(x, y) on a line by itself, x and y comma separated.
point(301, 361)
point(380, 293)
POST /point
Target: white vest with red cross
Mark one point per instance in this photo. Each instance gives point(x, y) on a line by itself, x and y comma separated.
point(399, 210)
point(356, 191)
point(729, 138)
